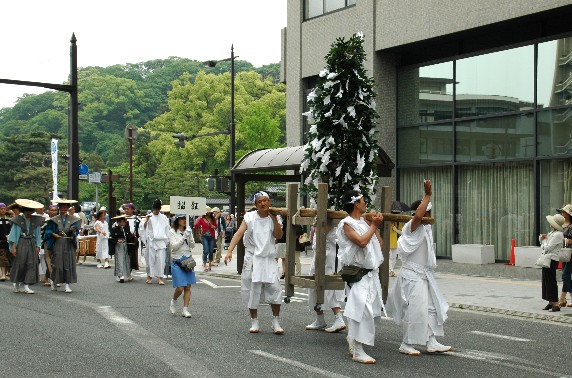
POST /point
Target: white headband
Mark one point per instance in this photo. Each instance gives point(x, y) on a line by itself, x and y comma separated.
point(429, 206)
point(260, 194)
point(355, 199)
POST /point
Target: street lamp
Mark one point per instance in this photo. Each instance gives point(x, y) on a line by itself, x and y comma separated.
point(131, 134)
point(212, 63)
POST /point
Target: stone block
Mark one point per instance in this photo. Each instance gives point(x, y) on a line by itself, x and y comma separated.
point(473, 253)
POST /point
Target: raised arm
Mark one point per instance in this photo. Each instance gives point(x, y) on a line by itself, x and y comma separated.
point(422, 209)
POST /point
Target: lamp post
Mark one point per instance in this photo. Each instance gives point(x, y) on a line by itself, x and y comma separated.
point(212, 63)
point(131, 134)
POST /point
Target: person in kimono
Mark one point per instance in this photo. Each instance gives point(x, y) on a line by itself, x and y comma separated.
point(360, 245)
point(120, 237)
point(61, 238)
point(415, 301)
point(333, 299)
point(156, 227)
point(260, 281)
point(182, 241)
point(25, 241)
point(102, 242)
point(5, 226)
point(133, 248)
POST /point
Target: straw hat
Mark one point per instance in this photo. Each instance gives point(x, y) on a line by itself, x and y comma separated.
point(216, 210)
point(566, 208)
point(556, 221)
point(166, 208)
point(208, 210)
point(28, 203)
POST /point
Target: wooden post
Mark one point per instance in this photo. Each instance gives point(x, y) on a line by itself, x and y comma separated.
point(384, 269)
point(320, 235)
point(292, 205)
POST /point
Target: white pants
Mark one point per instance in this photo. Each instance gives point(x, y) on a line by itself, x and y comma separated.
point(156, 259)
point(254, 293)
point(392, 259)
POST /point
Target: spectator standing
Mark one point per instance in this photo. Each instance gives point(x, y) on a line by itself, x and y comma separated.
point(119, 241)
point(220, 230)
point(551, 244)
point(566, 212)
point(133, 248)
point(5, 226)
point(208, 225)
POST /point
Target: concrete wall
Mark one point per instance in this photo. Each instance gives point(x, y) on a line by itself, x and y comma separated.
point(400, 22)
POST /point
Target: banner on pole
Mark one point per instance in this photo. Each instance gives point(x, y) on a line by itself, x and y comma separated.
point(54, 151)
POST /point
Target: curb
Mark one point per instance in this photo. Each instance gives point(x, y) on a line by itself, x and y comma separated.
point(518, 314)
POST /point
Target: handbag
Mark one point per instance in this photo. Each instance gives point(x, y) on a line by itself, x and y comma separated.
point(543, 261)
point(186, 263)
point(352, 273)
point(565, 254)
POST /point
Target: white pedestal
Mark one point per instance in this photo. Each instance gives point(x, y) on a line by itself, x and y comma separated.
point(526, 256)
point(473, 253)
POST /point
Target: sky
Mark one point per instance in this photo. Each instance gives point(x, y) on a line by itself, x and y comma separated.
point(35, 35)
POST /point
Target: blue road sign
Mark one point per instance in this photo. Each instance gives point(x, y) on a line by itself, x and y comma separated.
point(83, 169)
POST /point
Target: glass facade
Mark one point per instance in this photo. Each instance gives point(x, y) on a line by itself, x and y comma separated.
point(315, 8)
point(494, 133)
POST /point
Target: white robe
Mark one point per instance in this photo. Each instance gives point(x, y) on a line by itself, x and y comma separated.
point(260, 282)
point(415, 301)
point(157, 233)
point(332, 298)
point(364, 302)
point(102, 242)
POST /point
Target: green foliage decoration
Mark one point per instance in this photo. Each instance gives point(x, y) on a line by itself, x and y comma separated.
point(342, 142)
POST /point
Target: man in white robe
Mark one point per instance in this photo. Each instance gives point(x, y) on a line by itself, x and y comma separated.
point(260, 281)
point(415, 301)
point(156, 227)
point(360, 245)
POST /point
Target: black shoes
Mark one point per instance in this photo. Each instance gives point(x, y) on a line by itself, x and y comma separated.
point(555, 308)
point(548, 306)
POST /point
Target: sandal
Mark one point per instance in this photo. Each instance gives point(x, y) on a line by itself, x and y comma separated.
point(161, 283)
point(149, 281)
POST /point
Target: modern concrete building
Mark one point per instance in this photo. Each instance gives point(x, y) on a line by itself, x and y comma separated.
point(475, 95)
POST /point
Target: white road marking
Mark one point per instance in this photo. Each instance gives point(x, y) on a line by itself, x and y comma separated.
point(499, 336)
point(512, 362)
point(215, 286)
point(300, 365)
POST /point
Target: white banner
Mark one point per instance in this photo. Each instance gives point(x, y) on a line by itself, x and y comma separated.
point(188, 205)
point(54, 149)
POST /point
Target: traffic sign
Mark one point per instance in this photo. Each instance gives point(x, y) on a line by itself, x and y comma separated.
point(95, 177)
point(83, 177)
point(188, 205)
point(83, 169)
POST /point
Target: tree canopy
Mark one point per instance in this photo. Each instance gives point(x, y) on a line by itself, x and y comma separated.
point(159, 97)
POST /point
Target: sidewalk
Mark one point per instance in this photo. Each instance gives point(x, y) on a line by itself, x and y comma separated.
point(493, 288)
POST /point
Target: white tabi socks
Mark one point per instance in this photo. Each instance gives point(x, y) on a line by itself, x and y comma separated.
point(255, 327)
point(27, 289)
point(276, 326)
point(433, 346)
point(16, 287)
point(318, 324)
point(67, 288)
point(173, 306)
point(360, 355)
point(338, 325)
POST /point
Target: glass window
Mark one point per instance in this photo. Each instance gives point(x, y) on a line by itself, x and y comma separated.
point(495, 138)
point(332, 5)
point(495, 83)
point(555, 188)
point(554, 86)
point(313, 8)
point(496, 204)
point(410, 190)
point(555, 132)
point(425, 94)
point(425, 144)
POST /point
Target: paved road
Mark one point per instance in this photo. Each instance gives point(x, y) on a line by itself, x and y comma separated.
point(106, 329)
